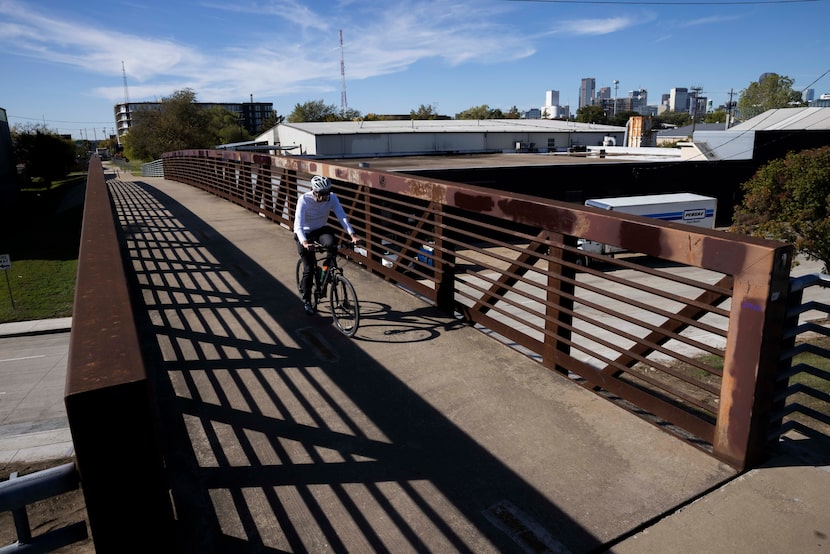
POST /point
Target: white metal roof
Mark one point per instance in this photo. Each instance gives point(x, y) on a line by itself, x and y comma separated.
point(788, 119)
point(449, 126)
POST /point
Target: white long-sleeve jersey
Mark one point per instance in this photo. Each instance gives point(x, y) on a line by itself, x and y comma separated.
point(311, 215)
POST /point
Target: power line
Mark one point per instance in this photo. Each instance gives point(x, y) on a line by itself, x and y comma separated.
point(816, 81)
point(668, 3)
point(62, 121)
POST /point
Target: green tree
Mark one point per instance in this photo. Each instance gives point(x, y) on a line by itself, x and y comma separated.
point(176, 123)
point(317, 110)
point(591, 114)
point(621, 118)
point(480, 112)
point(773, 91)
point(788, 199)
point(349, 114)
point(45, 155)
point(717, 116)
point(110, 144)
point(672, 119)
point(227, 126)
point(513, 113)
point(271, 121)
point(424, 112)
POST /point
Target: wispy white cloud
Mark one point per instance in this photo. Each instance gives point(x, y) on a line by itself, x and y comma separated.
point(600, 26)
point(711, 20)
point(288, 47)
point(86, 45)
point(296, 13)
point(304, 57)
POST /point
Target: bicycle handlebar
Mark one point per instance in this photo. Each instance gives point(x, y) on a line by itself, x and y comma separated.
point(317, 247)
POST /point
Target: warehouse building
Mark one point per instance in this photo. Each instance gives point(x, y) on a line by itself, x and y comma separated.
point(343, 139)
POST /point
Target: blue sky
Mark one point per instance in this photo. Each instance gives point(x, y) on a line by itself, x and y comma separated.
point(61, 60)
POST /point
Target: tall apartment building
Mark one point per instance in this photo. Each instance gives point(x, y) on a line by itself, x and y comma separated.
point(552, 109)
point(551, 98)
point(587, 90)
point(251, 114)
point(698, 105)
point(679, 99)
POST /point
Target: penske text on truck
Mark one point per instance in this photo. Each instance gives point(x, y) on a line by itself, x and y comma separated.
point(682, 207)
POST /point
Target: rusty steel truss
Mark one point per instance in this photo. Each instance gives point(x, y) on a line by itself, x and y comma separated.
point(684, 327)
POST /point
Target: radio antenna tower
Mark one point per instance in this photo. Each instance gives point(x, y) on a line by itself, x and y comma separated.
point(126, 105)
point(126, 90)
point(344, 105)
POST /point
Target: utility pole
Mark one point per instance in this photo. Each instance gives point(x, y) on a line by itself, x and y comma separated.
point(697, 90)
point(729, 110)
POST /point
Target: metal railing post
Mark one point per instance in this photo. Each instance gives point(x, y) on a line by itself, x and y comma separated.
point(759, 305)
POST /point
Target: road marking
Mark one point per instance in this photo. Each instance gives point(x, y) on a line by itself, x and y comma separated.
point(23, 358)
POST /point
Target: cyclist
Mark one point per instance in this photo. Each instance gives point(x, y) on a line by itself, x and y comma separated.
point(311, 225)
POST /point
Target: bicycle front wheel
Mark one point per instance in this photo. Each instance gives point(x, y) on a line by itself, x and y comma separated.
point(345, 308)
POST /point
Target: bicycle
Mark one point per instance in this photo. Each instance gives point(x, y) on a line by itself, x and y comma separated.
point(345, 308)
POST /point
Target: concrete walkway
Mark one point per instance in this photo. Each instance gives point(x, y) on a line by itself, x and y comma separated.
point(420, 434)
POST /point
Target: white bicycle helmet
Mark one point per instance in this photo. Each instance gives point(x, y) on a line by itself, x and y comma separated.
point(320, 184)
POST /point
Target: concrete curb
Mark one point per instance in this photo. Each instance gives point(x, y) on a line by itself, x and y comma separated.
point(37, 327)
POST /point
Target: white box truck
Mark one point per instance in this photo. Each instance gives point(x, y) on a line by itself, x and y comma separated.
point(681, 207)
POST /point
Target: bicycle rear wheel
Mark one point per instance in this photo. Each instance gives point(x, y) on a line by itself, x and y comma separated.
point(345, 308)
point(314, 297)
point(300, 276)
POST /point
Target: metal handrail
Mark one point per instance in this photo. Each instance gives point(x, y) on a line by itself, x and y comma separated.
point(18, 492)
point(508, 262)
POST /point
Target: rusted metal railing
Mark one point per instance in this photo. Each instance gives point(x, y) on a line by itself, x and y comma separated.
point(108, 394)
point(19, 492)
point(653, 327)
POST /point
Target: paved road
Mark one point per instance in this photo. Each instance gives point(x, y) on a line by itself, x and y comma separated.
point(33, 423)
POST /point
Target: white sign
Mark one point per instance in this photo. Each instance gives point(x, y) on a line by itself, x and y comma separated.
point(694, 215)
point(5, 261)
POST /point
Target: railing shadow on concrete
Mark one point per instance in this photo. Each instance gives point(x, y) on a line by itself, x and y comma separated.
point(258, 423)
point(801, 407)
point(510, 264)
point(506, 263)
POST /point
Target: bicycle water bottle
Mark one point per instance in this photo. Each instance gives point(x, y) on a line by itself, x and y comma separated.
point(323, 271)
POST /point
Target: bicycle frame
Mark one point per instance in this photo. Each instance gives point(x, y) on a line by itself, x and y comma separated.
point(345, 308)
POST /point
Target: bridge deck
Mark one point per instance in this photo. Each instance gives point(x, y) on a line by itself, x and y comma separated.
point(420, 434)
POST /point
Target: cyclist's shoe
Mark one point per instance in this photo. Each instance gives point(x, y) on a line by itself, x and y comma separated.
point(309, 309)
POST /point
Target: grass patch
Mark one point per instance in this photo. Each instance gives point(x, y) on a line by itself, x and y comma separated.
point(41, 234)
point(41, 289)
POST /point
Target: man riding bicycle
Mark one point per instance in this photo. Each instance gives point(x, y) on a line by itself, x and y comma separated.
point(311, 226)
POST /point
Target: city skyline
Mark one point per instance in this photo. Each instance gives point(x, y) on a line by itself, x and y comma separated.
point(67, 66)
